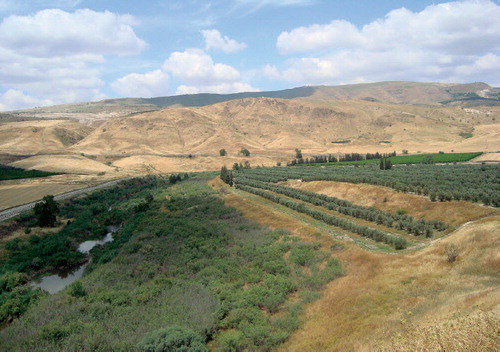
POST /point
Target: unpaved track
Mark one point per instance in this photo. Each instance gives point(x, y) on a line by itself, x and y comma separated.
point(9, 213)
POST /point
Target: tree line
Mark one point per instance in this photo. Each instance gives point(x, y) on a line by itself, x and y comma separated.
point(330, 158)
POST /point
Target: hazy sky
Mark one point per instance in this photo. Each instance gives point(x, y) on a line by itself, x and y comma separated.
point(61, 51)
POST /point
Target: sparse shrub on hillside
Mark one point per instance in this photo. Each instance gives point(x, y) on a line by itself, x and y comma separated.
point(222, 152)
point(245, 152)
point(452, 252)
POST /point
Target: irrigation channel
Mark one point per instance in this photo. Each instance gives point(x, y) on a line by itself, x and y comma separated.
point(59, 280)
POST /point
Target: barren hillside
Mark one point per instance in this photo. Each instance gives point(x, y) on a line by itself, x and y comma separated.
point(276, 126)
point(40, 136)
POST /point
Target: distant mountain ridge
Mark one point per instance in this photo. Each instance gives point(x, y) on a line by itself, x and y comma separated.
point(393, 92)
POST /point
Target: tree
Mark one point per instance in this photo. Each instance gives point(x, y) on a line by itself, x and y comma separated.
point(245, 152)
point(222, 152)
point(46, 211)
point(385, 164)
point(172, 179)
point(298, 153)
point(226, 176)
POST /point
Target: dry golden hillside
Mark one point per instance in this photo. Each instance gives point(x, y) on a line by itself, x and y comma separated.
point(276, 126)
point(40, 136)
point(270, 128)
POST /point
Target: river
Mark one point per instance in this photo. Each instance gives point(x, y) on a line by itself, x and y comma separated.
point(58, 281)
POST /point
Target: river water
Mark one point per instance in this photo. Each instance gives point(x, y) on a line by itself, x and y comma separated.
point(57, 282)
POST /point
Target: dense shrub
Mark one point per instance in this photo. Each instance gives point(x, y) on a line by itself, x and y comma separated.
point(172, 339)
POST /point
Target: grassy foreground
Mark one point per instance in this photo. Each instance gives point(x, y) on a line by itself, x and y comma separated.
point(183, 269)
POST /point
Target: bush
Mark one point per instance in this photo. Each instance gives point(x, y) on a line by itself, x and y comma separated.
point(76, 289)
point(232, 341)
point(172, 339)
point(452, 252)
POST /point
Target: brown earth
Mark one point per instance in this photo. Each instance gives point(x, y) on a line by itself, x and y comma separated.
point(77, 164)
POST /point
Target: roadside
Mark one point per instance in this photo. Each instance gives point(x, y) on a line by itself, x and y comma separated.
point(14, 211)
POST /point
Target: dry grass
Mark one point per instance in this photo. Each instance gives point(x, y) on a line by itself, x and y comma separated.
point(384, 198)
point(273, 127)
point(13, 195)
point(414, 301)
point(39, 136)
point(158, 164)
point(22, 191)
point(64, 163)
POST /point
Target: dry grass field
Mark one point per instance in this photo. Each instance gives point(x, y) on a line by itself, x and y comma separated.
point(13, 195)
point(412, 301)
point(17, 192)
point(75, 164)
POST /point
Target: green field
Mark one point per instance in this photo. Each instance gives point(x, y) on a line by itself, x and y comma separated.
point(13, 173)
point(416, 159)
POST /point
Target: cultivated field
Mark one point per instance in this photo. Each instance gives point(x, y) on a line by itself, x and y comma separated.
point(410, 301)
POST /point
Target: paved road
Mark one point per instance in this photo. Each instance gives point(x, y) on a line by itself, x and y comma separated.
point(9, 213)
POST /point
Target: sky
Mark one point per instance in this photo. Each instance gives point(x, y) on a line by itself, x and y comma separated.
point(64, 51)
